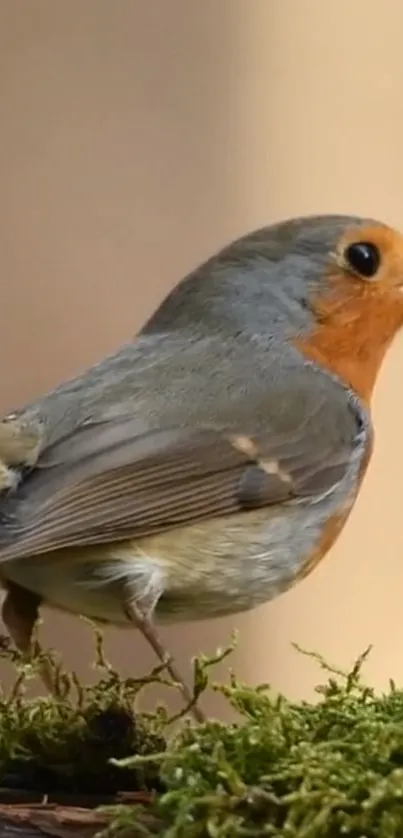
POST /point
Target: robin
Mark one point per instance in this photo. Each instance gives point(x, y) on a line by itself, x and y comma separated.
point(210, 464)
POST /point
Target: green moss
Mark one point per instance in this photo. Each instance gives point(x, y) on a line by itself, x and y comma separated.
point(66, 743)
point(311, 770)
point(324, 770)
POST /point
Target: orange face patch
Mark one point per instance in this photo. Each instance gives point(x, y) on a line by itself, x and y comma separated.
point(358, 317)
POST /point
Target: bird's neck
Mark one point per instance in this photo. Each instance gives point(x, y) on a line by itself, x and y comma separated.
point(351, 339)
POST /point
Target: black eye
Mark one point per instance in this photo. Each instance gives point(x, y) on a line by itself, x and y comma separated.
point(364, 258)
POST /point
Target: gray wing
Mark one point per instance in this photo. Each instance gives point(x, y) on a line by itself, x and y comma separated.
point(106, 482)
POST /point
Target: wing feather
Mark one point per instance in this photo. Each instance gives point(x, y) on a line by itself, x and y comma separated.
point(107, 482)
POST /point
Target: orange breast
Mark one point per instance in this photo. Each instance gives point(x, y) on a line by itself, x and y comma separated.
point(353, 332)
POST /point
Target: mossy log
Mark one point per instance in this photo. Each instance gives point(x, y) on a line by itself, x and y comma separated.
point(95, 767)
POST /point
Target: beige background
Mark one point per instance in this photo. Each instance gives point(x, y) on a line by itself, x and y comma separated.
point(136, 137)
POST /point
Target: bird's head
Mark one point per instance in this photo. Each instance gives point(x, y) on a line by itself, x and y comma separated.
point(332, 285)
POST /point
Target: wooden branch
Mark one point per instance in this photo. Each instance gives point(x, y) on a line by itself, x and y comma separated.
point(54, 820)
point(35, 821)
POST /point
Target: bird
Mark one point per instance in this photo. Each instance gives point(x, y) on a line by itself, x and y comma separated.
point(208, 465)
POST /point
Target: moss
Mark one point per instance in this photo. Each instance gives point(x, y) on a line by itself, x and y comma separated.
point(323, 770)
point(66, 743)
point(311, 770)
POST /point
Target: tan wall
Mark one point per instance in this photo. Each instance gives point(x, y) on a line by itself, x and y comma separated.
point(136, 137)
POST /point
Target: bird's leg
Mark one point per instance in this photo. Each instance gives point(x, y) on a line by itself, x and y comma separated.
point(145, 624)
point(20, 612)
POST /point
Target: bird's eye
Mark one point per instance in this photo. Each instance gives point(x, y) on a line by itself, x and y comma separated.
point(364, 258)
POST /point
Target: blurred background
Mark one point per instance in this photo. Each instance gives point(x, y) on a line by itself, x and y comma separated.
point(137, 137)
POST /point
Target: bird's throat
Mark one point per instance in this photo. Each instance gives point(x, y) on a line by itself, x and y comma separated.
point(352, 337)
